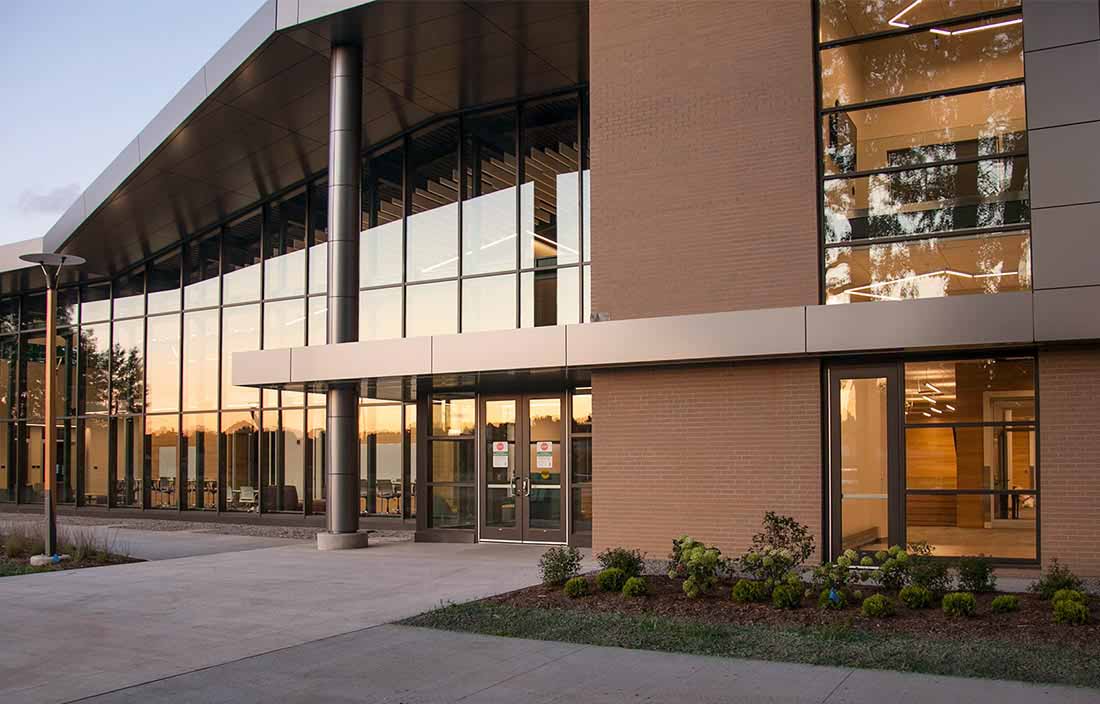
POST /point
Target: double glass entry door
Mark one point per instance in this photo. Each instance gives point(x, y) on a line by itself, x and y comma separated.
point(523, 469)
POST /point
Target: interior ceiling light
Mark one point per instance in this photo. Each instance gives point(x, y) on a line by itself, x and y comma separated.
point(936, 410)
point(933, 387)
point(895, 21)
point(929, 399)
point(863, 290)
point(949, 406)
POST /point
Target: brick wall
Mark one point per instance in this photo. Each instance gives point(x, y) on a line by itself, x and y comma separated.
point(703, 187)
point(704, 450)
point(1069, 457)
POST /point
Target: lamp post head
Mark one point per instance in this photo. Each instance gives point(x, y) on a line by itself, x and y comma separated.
point(51, 263)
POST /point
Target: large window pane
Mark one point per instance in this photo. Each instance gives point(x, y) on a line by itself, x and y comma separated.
point(95, 303)
point(1002, 526)
point(203, 264)
point(129, 295)
point(550, 297)
point(128, 368)
point(284, 324)
point(285, 485)
point(380, 314)
point(970, 458)
point(9, 365)
point(489, 206)
point(453, 416)
point(241, 259)
point(95, 353)
point(431, 309)
point(7, 461)
point(926, 61)
point(410, 450)
point(433, 192)
point(318, 238)
point(200, 360)
point(164, 284)
point(96, 458)
point(9, 314)
point(285, 247)
point(452, 506)
point(864, 448)
point(317, 320)
point(929, 268)
point(200, 448)
point(840, 19)
point(380, 459)
point(489, 303)
point(983, 123)
point(242, 462)
point(240, 333)
point(68, 306)
point(970, 390)
point(380, 239)
point(315, 439)
point(550, 210)
point(162, 382)
point(33, 460)
point(129, 459)
point(162, 437)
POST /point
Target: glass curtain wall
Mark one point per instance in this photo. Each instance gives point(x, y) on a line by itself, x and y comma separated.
point(923, 150)
point(476, 222)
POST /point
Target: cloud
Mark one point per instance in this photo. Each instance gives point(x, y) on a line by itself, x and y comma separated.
point(51, 202)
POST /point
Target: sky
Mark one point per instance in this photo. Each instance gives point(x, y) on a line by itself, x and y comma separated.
point(79, 79)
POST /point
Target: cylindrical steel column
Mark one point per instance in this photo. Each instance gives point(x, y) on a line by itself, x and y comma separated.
point(344, 154)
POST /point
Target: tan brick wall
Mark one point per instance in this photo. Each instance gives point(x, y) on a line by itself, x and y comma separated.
point(1069, 457)
point(705, 451)
point(703, 185)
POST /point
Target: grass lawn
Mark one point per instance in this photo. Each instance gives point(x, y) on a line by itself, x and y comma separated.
point(841, 644)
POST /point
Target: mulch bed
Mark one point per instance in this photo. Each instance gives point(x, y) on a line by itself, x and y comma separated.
point(1033, 623)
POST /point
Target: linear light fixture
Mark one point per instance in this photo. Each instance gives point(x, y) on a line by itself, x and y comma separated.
point(949, 406)
point(936, 410)
point(895, 21)
point(929, 399)
point(862, 290)
point(933, 387)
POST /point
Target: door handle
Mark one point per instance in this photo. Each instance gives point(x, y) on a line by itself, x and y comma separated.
point(526, 486)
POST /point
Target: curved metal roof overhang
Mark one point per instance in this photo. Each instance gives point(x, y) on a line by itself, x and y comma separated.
point(254, 120)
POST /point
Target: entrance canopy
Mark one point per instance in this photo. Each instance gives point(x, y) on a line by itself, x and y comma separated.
point(255, 119)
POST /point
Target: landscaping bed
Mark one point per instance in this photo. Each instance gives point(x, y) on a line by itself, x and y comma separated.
point(19, 541)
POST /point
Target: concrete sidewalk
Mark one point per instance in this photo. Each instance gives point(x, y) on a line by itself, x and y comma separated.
point(82, 632)
point(412, 665)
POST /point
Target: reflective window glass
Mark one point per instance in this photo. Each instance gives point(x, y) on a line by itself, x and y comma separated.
point(970, 390)
point(956, 525)
point(550, 297)
point(129, 295)
point(200, 360)
point(33, 315)
point(203, 264)
point(162, 382)
point(989, 457)
point(453, 461)
point(841, 19)
point(453, 416)
point(240, 333)
point(380, 239)
point(32, 461)
point(317, 323)
point(489, 303)
point(318, 238)
point(96, 458)
point(284, 324)
point(381, 459)
point(291, 487)
point(200, 450)
point(380, 314)
point(240, 437)
point(9, 367)
point(315, 440)
point(129, 459)
point(550, 196)
point(7, 462)
point(431, 309)
point(9, 314)
point(164, 284)
point(432, 226)
point(128, 367)
point(95, 353)
point(489, 205)
point(95, 304)
point(162, 437)
point(68, 306)
point(285, 247)
point(452, 506)
point(241, 259)
point(929, 268)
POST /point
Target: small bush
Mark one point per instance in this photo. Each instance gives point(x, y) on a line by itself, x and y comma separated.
point(1070, 595)
point(559, 565)
point(831, 599)
point(915, 596)
point(780, 548)
point(697, 564)
point(976, 575)
point(958, 604)
point(857, 596)
point(786, 597)
point(877, 606)
point(1071, 612)
point(611, 580)
point(1055, 578)
point(746, 591)
point(636, 586)
point(631, 562)
point(1005, 604)
point(926, 571)
point(576, 587)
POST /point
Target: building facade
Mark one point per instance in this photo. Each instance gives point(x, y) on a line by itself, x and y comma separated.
point(618, 271)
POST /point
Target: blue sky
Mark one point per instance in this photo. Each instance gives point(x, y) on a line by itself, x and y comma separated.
point(80, 79)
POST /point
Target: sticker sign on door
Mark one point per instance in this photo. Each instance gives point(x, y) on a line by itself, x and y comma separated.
point(500, 455)
point(544, 457)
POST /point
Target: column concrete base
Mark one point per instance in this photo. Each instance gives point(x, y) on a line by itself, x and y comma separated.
point(342, 541)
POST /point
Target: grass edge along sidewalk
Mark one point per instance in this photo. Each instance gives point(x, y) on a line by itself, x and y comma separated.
point(839, 646)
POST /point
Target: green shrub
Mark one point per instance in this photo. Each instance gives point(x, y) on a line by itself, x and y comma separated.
point(746, 591)
point(631, 562)
point(1055, 577)
point(559, 565)
point(915, 596)
point(926, 571)
point(1070, 595)
point(1005, 603)
point(857, 596)
point(1070, 612)
point(576, 587)
point(958, 604)
point(877, 606)
point(835, 575)
point(780, 548)
point(611, 580)
point(786, 597)
point(636, 586)
point(831, 599)
point(697, 564)
point(976, 575)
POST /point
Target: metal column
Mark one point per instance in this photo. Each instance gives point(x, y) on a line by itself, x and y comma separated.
point(345, 150)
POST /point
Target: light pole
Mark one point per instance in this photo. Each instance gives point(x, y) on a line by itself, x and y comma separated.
point(51, 266)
